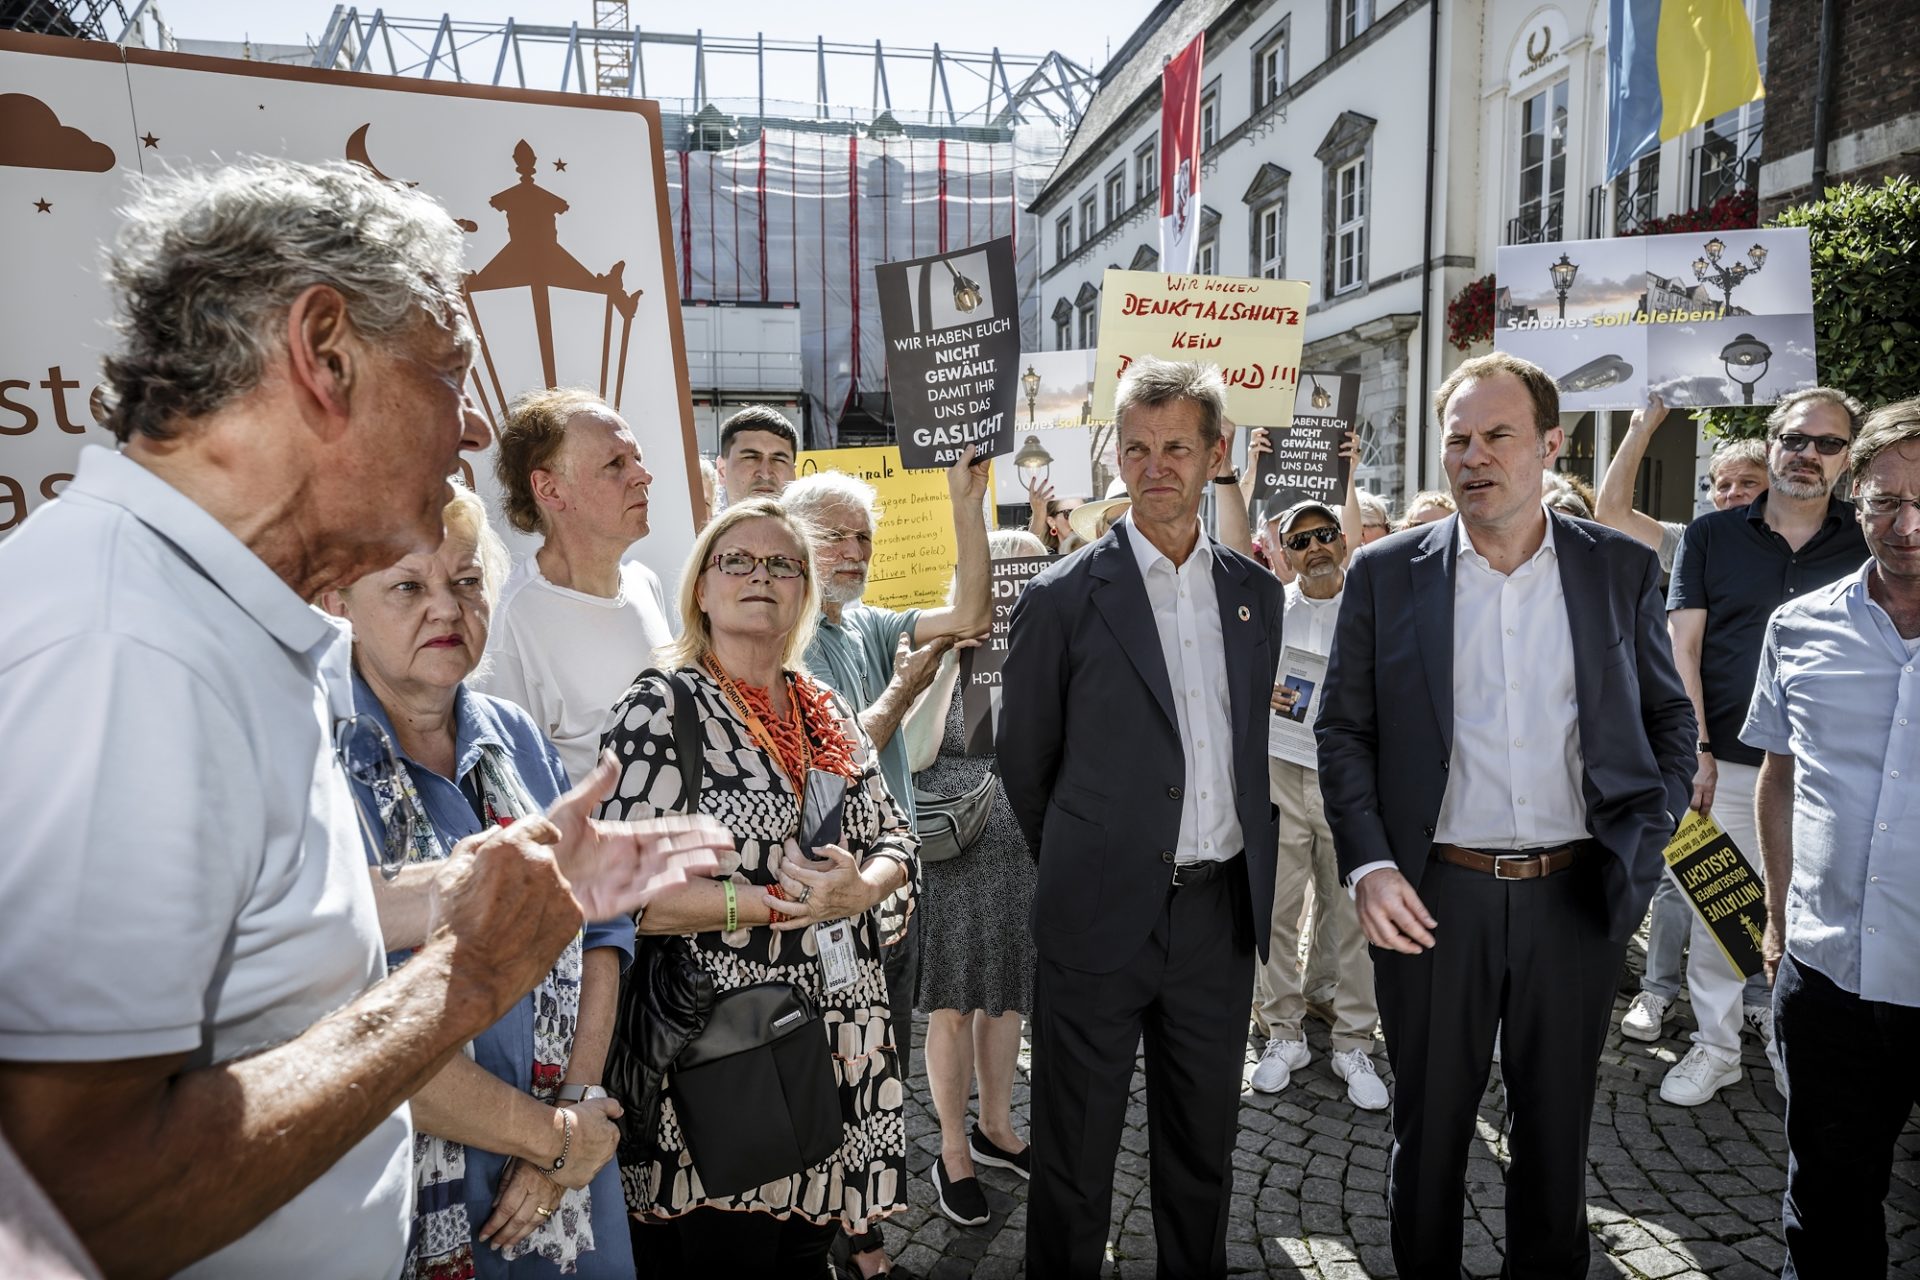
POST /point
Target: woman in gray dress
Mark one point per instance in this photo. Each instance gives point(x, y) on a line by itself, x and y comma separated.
point(976, 967)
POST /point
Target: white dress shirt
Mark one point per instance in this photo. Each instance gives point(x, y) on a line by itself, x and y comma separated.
point(1308, 623)
point(1186, 614)
point(1513, 780)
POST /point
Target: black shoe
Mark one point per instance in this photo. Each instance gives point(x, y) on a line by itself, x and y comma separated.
point(962, 1200)
point(984, 1152)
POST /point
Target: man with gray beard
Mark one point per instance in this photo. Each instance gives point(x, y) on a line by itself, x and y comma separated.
point(1734, 569)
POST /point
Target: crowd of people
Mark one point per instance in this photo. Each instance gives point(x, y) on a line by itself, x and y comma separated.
point(655, 884)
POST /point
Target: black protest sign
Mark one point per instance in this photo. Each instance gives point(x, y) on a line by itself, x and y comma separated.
point(1723, 889)
point(1303, 461)
point(980, 666)
point(952, 325)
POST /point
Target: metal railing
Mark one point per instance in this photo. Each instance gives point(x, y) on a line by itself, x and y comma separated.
point(1536, 226)
point(1722, 166)
point(1617, 209)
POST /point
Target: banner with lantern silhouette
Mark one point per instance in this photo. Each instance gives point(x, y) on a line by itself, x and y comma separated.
point(1704, 319)
point(562, 198)
point(1303, 459)
point(952, 325)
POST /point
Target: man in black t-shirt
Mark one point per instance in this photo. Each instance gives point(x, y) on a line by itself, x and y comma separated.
point(1734, 569)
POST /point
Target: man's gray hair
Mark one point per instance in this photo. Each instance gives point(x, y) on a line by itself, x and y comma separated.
point(808, 496)
point(1737, 453)
point(1892, 424)
point(1151, 381)
point(210, 261)
point(1777, 420)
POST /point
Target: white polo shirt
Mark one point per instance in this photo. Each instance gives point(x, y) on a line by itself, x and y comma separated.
point(184, 872)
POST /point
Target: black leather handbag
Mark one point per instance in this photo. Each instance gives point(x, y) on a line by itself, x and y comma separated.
point(755, 1092)
point(948, 825)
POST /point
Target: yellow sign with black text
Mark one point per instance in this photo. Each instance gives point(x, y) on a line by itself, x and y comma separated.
point(913, 546)
point(1723, 888)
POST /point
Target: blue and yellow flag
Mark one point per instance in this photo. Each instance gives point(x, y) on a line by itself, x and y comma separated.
point(1673, 64)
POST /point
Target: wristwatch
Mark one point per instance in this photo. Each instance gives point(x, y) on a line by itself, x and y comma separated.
point(581, 1092)
point(1703, 748)
point(1232, 477)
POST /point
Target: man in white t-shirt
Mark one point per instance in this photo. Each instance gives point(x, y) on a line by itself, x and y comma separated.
point(577, 621)
point(201, 1062)
point(1309, 537)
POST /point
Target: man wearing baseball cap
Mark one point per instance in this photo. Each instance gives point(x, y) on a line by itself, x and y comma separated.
point(1310, 543)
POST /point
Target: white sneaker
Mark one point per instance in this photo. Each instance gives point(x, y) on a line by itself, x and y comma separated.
point(1759, 1020)
point(1646, 1017)
point(1697, 1077)
point(1365, 1089)
point(1278, 1063)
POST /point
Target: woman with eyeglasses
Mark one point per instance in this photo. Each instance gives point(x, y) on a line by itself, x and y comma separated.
point(514, 1140)
point(771, 735)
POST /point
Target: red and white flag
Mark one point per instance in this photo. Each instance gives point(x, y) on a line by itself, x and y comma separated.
point(1180, 158)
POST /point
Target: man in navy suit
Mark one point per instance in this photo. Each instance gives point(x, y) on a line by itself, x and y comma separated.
point(1505, 750)
point(1136, 684)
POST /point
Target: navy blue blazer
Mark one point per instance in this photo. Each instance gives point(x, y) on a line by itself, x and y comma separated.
point(1386, 720)
point(1090, 751)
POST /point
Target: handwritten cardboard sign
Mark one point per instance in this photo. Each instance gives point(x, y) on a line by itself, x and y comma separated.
point(952, 324)
point(980, 667)
point(1251, 328)
point(1722, 888)
point(913, 546)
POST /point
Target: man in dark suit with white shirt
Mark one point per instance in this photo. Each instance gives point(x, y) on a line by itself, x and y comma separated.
point(1137, 681)
point(1500, 778)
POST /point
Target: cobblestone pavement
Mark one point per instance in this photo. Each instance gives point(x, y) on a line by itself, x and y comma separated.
point(1673, 1193)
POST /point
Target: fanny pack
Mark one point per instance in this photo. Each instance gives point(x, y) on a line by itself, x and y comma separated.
point(949, 825)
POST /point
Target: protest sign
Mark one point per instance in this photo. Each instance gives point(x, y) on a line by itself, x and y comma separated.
point(1702, 320)
point(1722, 888)
point(1290, 736)
point(1303, 460)
point(1251, 328)
point(952, 325)
point(913, 547)
point(980, 666)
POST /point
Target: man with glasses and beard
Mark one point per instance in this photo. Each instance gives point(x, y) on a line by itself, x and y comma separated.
point(1734, 569)
point(1309, 542)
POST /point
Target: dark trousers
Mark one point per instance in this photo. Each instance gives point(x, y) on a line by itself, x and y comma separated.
point(1532, 955)
point(1851, 1083)
point(1187, 990)
point(718, 1242)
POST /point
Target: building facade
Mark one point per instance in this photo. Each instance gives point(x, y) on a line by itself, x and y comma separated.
point(1316, 131)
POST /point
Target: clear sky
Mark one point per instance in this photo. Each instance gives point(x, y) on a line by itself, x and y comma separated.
point(1084, 30)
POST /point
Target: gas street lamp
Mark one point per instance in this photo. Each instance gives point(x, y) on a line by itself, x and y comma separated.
point(1321, 397)
point(1030, 383)
point(1727, 276)
point(1748, 354)
point(1563, 273)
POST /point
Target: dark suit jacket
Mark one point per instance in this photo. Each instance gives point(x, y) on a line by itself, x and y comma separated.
point(1386, 720)
point(1090, 751)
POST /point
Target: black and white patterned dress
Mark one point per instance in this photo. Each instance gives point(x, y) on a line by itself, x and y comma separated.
point(745, 790)
point(976, 935)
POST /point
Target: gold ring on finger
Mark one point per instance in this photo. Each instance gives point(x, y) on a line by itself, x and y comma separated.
point(545, 1213)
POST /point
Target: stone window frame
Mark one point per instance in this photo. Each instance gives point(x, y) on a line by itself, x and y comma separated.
point(1145, 258)
point(1146, 169)
point(1363, 17)
point(1087, 304)
point(1062, 325)
point(1210, 115)
point(1113, 193)
point(1267, 195)
point(1063, 236)
point(1209, 244)
point(1278, 37)
point(1350, 139)
point(1356, 226)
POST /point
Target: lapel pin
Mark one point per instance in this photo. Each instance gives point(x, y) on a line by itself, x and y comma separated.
point(1245, 613)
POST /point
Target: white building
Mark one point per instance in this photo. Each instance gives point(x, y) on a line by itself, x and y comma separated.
point(1382, 152)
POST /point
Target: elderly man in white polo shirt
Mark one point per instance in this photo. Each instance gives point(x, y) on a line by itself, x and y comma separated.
point(198, 1059)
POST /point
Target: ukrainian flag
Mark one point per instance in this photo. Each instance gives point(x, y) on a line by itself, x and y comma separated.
point(1673, 64)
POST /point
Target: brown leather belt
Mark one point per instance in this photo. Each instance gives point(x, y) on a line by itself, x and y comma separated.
point(1512, 866)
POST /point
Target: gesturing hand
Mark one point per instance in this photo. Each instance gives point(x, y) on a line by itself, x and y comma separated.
point(1257, 444)
point(1391, 913)
point(1039, 493)
point(615, 868)
point(1649, 417)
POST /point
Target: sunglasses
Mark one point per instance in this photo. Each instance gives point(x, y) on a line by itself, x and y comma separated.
point(738, 564)
point(1324, 535)
point(366, 753)
point(1794, 442)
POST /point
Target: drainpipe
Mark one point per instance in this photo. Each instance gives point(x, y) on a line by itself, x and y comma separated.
point(1426, 242)
point(1823, 94)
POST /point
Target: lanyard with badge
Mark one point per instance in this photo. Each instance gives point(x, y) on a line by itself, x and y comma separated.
point(818, 793)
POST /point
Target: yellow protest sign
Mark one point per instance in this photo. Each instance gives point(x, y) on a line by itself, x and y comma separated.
point(1251, 328)
point(1722, 888)
point(913, 547)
